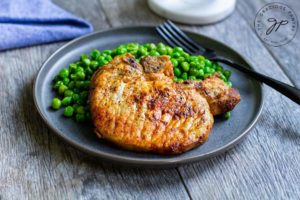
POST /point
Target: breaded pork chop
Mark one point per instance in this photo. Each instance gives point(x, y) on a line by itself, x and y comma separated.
point(139, 107)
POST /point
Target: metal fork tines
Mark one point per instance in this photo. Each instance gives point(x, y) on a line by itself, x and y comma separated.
point(175, 37)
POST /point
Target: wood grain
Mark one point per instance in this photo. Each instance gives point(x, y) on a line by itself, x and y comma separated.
point(35, 164)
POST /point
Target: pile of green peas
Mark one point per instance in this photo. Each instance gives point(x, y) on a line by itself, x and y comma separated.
point(72, 84)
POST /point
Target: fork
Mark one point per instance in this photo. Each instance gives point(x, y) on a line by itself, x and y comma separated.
point(176, 37)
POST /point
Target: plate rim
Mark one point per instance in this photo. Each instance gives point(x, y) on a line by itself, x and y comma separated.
point(145, 162)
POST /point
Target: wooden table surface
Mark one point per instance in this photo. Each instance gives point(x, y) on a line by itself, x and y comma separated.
point(36, 164)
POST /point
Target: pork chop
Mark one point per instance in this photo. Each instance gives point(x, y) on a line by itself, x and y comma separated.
point(139, 107)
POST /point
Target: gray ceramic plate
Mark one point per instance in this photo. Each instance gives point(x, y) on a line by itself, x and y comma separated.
point(225, 133)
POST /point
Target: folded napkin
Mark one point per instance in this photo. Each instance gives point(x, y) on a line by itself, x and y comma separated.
point(31, 22)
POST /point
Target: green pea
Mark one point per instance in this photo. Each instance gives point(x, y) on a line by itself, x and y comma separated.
point(206, 70)
point(133, 52)
point(201, 73)
point(72, 67)
point(56, 103)
point(201, 64)
point(71, 85)
point(133, 45)
point(185, 55)
point(227, 115)
point(132, 48)
point(108, 58)
point(79, 84)
point(178, 49)
point(80, 110)
point(162, 50)
point(174, 62)
point(180, 80)
point(229, 84)
point(68, 93)
point(194, 64)
point(64, 73)
point(169, 50)
point(80, 117)
point(223, 78)
point(184, 76)
point(68, 111)
point(79, 69)
point(175, 79)
point(227, 73)
point(88, 71)
point(181, 59)
point(194, 72)
point(102, 61)
point(192, 78)
point(66, 101)
point(80, 75)
point(177, 72)
point(121, 50)
point(57, 84)
point(107, 52)
point(208, 63)
point(154, 53)
point(152, 46)
point(94, 64)
point(142, 51)
point(185, 66)
point(95, 54)
point(73, 76)
point(83, 56)
point(201, 58)
point(214, 66)
point(66, 81)
point(75, 97)
point(161, 45)
point(175, 54)
point(86, 62)
point(62, 88)
point(193, 59)
point(219, 68)
point(147, 45)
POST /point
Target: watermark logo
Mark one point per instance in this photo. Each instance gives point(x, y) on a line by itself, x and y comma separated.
point(276, 24)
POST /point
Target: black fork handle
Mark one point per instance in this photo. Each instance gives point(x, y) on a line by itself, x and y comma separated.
point(285, 89)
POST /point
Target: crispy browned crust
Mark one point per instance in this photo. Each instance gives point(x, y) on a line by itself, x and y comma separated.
point(141, 108)
point(220, 97)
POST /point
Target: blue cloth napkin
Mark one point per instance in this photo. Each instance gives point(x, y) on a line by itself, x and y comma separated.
point(30, 22)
